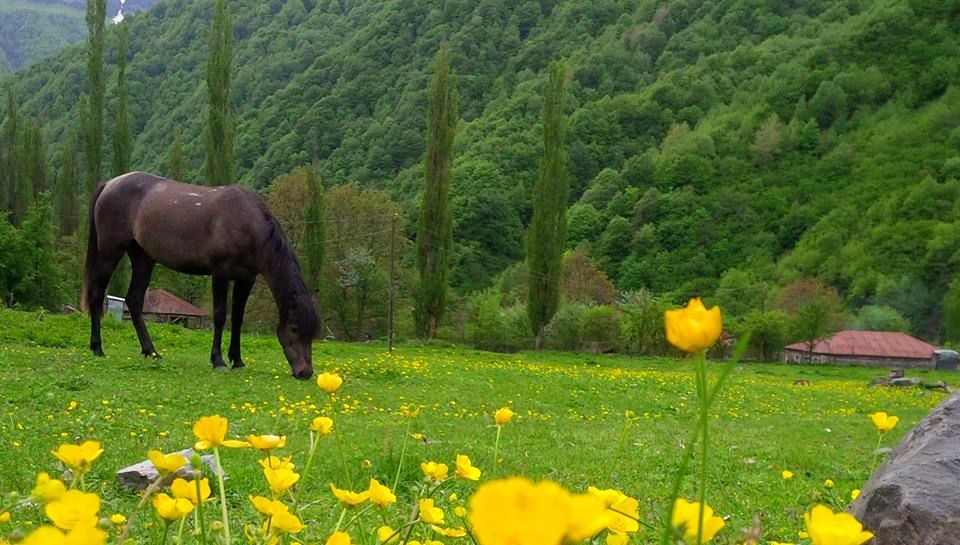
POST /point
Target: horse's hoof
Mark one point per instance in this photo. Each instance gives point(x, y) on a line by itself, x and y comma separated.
point(239, 366)
point(98, 352)
point(154, 355)
point(220, 368)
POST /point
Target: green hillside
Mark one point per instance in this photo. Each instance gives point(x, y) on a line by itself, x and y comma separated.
point(779, 139)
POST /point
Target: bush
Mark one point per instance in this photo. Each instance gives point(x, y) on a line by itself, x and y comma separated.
point(599, 328)
point(563, 331)
point(641, 326)
point(486, 328)
point(768, 333)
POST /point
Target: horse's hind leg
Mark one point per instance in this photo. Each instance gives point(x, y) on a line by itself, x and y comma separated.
point(142, 269)
point(102, 271)
point(241, 291)
point(220, 287)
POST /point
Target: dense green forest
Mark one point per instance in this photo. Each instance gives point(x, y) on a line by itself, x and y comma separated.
point(728, 148)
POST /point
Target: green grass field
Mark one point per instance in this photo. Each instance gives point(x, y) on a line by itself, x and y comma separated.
point(570, 417)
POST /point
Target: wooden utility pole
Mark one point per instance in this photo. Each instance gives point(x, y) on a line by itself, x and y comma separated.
point(393, 252)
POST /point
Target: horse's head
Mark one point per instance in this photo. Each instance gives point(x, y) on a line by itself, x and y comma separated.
point(298, 324)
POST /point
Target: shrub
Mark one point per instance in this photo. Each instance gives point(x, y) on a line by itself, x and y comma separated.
point(563, 331)
point(599, 328)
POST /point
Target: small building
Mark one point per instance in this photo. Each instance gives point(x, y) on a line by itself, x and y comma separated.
point(873, 348)
point(160, 305)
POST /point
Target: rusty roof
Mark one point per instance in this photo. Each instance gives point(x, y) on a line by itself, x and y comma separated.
point(883, 344)
point(160, 301)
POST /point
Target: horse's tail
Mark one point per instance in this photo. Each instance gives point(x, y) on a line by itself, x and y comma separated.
point(93, 251)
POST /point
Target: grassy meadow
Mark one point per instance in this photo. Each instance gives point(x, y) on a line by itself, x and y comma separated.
point(570, 420)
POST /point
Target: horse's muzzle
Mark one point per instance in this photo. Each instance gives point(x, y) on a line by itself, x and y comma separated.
point(303, 374)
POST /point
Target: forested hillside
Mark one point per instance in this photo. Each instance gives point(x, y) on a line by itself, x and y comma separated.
point(720, 148)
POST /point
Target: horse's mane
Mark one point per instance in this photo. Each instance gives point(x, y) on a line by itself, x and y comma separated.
point(288, 286)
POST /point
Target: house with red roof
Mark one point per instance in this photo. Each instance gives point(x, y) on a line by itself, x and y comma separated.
point(874, 348)
point(160, 305)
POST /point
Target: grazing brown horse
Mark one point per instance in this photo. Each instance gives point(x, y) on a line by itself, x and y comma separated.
point(225, 232)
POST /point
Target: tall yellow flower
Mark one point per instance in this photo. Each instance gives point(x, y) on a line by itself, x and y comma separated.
point(280, 479)
point(166, 463)
point(267, 442)
point(274, 462)
point(339, 538)
point(828, 528)
point(465, 468)
point(448, 532)
point(322, 425)
point(348, 498)
point(267, 506)
point(381, 495)
point(884, 422)
point(693, 328)
point(48, 535)
point(386, 534)
point(434, 471)
point(329, 382)
point(211, 431)
point(47, 489)
point(429, 513)
point(503, 416)
point(75, 509)
point(187, 490)
point(171, 509)
point(78, 457)
point(625, 511)
point(287, 522)
point(686, 516)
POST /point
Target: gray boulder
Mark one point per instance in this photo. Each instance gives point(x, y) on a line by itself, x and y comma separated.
point(914, 497)
point(142, 475)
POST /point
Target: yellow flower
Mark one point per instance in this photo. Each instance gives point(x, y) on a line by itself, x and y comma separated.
point(386, 534)
point(381, 495)
point(617, 539)
point(686, 517)
point(503, 416)
point(449, 532)
point(883, 422)
point(339, 538)
point(786, 474)
point(418, 436)
point(272, 462)
point(48, 489)
point(267, 442)
point(465, 468)
point(267, 506)
point(328, 382)
point(780, 543)
point(166, 463)
point(5, 516)
point(187, 490)
point(429, 513)
point(75, 509)
point(434, 471)
point(171, 509)
point(48, 535)
point(625, 510)
point(460, 511)
point(693, 328)
point(211, 432)
point(322, 425)
point(854, 494)
point(828, 483)
point(118, 519)
point(280, 479)
point(348, 498)
point(78, 457)
point(828, 528)
point(287, 522)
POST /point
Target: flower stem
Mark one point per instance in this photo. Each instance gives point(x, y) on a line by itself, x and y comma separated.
point(166, 531)
point(183, 521)
point(704, 442)
point(303, 476)
point(343, 514)
point(403, 452)
point(223, 497)
point(343, 460)
point(198, 512)
point(619, 451)
point(496, 446)
point(133, 515)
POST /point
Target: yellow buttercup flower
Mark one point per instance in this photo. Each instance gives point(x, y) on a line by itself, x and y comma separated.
point(280, 479)
point(429, 513)
point(381, 495)
point(211, 432)
point(166, 463)
point(854, 494)
point(348, 498)
point(828, 528)
point(686, 518)
point(617, 539)
point(460, 511)
point(386, 534)
point(828, 483)
point(322, 425)
point(339, 538)
point(267, 442)
point(187, 490)
point(624, 511)
point(48, 535)
point(79, 457)
point(465, 468)
point(286, 522)
point(267, 506)
point(171, 509)
point(780, 543)
point(884, 422)
point(329, 382)
point(434, 471)
point(74, 509)
point(448, 532)
point(47, 489)
point(5, 516)
point(272, 462)
point(786, 475)
point(118, 519)
point(588, 516)
point(503, 416)
point(693, 329)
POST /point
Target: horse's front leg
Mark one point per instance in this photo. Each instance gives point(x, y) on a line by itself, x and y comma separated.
point(220, 286)
point(241, 291)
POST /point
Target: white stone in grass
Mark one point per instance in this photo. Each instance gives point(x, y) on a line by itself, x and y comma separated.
point(143, 474)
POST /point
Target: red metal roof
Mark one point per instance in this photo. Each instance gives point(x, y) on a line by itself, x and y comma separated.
point(884, 344)
point(160, 301)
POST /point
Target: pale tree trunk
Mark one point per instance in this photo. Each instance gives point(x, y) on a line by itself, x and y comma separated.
point(539, 343)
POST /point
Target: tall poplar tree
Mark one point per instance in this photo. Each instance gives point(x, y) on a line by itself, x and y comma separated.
point(67, 205)
point(178, 165)
point(122, 139)
point(219, 130)
point(11, 162)
point(434, 232)
point(314, 232)
point(547, 236)
point(93, 117)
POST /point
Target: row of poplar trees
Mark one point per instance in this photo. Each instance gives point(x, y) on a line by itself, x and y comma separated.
point(546, 237)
